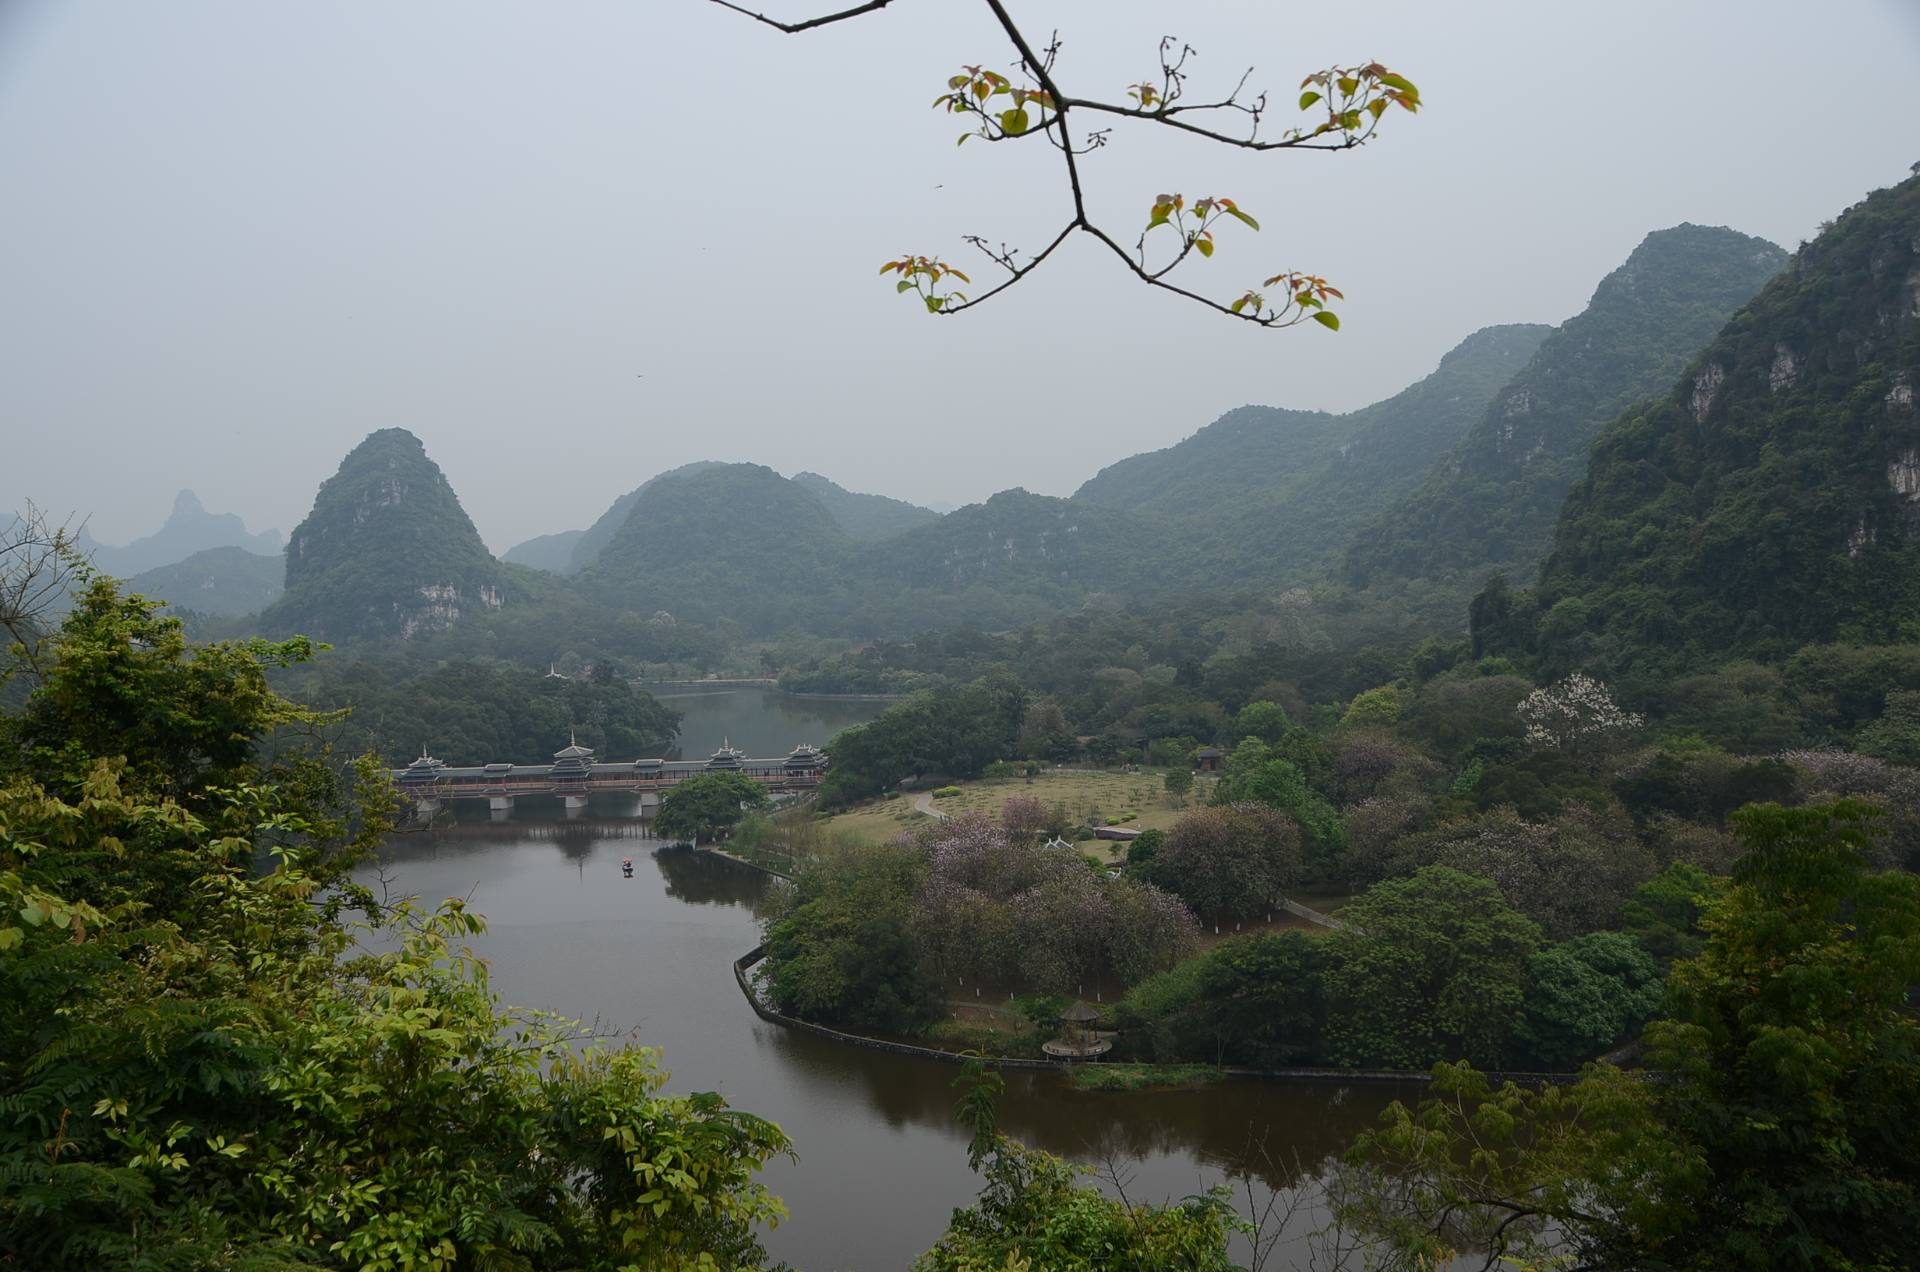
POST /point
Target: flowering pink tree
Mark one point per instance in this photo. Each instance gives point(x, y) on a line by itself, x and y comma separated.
point(999, 912)
point(1024, 817)
point(1149, 930)
point(1576, 714)
point(1231, 863)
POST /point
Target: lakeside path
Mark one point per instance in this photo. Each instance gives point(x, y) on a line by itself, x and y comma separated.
point(924, 804)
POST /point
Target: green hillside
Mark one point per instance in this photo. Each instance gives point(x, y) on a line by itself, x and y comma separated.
point(862, 516)
point(1492, 501)
point(723, 542)
point(386, 552)
point(1270, 495)
point(1772, 497)
point(598, 535)
point(215, 581)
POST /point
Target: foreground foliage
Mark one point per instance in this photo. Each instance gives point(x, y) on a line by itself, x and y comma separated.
point(1034, 1212)
point(203, 1065)
point(1777, 1135)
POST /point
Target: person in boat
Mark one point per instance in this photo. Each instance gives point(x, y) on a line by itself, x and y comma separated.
point(626, 866)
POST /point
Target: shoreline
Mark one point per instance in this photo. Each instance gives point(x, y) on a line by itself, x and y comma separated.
point(743, 965)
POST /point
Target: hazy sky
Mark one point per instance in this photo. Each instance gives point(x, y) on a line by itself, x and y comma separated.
point(237, 236)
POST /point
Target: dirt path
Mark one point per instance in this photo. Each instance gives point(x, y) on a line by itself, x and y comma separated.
point(924, 804)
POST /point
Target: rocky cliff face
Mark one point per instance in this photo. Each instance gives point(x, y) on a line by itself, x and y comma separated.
point(1772, 496)
point(1492, 501)
point(387, 550)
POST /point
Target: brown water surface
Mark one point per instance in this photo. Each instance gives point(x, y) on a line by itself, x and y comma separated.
point(882, 1162)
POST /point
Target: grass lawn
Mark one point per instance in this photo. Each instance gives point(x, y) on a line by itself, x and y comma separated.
point(1091, 798)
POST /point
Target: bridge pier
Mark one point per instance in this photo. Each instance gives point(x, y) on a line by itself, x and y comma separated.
point(425, 808)
point(574, 804)
point(500, 803)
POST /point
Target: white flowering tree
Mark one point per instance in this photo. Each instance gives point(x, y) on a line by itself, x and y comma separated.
point(1576, 714)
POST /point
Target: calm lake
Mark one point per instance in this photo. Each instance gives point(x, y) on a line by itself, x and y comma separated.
point(881, 1161)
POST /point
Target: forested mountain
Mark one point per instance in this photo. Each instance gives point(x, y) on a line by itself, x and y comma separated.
point(1263, 494)
point(598, 535)
point(188, 529)
point(864, 516)
point(1772, 497)
point(1021, 542)
point(550, 552)
point(387, 550)
point(723, 541)
point(215, 581)
point(1492, 501)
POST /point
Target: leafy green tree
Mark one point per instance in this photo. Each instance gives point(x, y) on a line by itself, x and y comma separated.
point(1895, 736)
point(1378, 707)
point(1797, 1014)
point(1664, 913)
point(1255, 775)
point(953, 732)
point(843, 949)
point(1777, 1135)
point(1426, 968)
point(708, 806)
point(1035, 1212)
point(1264, 720)
point(1179, 783)
point(1587, 994)
point(1256, 1000)
point(199, 1069)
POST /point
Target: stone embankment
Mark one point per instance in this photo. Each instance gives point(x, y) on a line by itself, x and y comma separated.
point(743, 966)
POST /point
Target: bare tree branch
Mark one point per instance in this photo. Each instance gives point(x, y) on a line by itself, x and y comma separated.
point(39, 563)
point(1354, 99)
point(792, 28)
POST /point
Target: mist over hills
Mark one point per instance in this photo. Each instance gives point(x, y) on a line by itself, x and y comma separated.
point(1415, 498)
point(866, 517)
point(720, 541)
point(860, 516)
point(550, 552)
point(189, 528)
point(223, 581)
point(1264, 494)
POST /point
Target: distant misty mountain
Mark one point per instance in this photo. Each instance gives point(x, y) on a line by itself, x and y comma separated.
point(189, 528)
point(550, 552)
point(864, 516)
point(1265, 494)
point(215, 581)
point(597, 536)
point(859, 516)
point(1407, 497)
point(713, 542)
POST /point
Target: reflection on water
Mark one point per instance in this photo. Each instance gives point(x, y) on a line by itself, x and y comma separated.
point(700, 878)
point(758, 720)
point(882, 1162)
